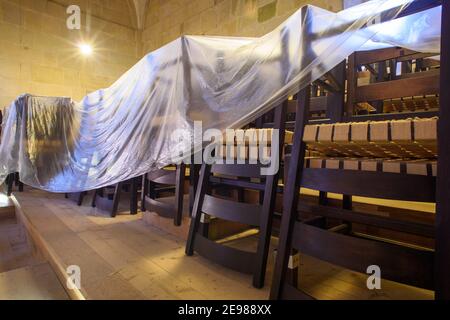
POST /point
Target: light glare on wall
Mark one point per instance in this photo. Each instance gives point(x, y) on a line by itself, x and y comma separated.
point(85, 49)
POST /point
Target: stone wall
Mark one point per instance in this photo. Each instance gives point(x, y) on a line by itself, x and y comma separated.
point(39, 55)
point(168, 19)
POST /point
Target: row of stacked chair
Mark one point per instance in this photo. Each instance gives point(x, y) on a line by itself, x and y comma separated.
point(349, 139)
point(107, 199)
point(375, 155)
point(13, 178)
point(335, 149)
point(390, 157)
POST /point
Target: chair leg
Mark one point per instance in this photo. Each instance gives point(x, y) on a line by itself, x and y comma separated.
point(94, 198)
point(179, 194)
point(261, 197)
point(16, 179)
point(347, 202)
point(323, 198)
point(268, 208)
point(291, 195)
point(241, 195)
point(144, 193)
point(203, 229)
point(18, 183)
point(191, 199)
point(10, 182)
point(134, 196)
point(152, 192)
point(80, 199)
point(194, 177)
point(293, 270)
point(265, 231)
point(116, 199)
point(197, 212)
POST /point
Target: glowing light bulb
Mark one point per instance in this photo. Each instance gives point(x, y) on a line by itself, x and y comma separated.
point(85, 49)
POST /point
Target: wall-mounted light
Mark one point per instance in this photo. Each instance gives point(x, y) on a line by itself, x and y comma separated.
point(85, 49)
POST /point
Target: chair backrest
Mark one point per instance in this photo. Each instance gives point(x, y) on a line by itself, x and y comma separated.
point(396, 83)
point(166, 176)
point(243, 171)
point(354, 177)
point(326, 105)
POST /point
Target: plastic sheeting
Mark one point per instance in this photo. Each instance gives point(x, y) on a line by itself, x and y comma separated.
point(127, 130)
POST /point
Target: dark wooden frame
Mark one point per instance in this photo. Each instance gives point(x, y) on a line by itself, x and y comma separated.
point(406, 264)
point(78, 197)
point(352, 252)
point(443, 181)
point(410, 84)
point(103, 201)
point(162, 180)
point(330, 101)
point(11, 180)
point(256, 215)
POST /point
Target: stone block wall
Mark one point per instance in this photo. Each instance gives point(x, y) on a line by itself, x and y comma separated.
point(168, 19)
point(39, 55)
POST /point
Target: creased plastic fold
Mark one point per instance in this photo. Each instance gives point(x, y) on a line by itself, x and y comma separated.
point(130, 128)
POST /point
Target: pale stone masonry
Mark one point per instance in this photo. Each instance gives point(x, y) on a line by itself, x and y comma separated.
point(168, 19)
point(38, 54)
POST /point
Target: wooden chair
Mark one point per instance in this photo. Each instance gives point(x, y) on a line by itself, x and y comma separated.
point(14, 177)
point(352, 161)
point(405, 81)
point(327, 101)
point(108, 198)
point(164, 192)
point(78, 197)
point(255, 215)
point(11, 180)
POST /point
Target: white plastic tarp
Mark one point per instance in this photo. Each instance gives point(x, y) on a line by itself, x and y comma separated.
point(127, 130)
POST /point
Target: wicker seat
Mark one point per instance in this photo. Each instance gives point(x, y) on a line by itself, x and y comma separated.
point(374, 155)
point(401, 166)
point(410, 138)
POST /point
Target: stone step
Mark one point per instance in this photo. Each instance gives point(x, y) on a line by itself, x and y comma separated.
point(38, 282)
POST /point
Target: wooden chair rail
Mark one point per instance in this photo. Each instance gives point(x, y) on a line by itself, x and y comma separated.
point(392, 116)
point(238, 260)
point(163, 209)
point(245, 184)
point(352, 216)
point(163, 177)
point(383, 185)
point(373, 56)
point(109, 201)
point(318, 104)
point(238, 170)
point(232, 211)
point(429, 73)
point(406, 87)
point(157, 183)
point(358, 254)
